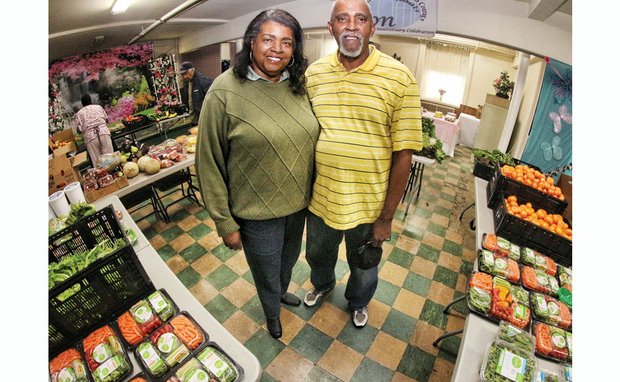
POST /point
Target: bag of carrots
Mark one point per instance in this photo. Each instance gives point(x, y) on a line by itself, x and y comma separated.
point(68, 366)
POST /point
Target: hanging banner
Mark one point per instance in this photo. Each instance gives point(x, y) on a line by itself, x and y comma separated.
point(550, 144)
point(409, 17)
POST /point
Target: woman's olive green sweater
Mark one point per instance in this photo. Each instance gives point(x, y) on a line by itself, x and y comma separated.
point(255, 151)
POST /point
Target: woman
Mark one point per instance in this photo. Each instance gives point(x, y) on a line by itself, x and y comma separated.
point(255, 155)
point(91, 120)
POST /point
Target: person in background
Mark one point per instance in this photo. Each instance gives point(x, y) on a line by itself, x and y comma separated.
point(368, 106)
point(195, 89)
point(255, 155)
point(92, 121)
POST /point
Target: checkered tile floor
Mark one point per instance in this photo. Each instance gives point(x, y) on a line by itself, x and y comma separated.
point(425, 266)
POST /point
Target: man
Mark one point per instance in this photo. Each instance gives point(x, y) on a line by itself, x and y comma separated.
point(368, 106)
point(195, 89)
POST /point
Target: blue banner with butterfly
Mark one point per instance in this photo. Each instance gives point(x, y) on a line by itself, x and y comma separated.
point(550, 144)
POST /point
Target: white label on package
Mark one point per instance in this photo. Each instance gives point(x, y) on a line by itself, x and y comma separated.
point(158, 302)
point(142, 313)
point(102, 352)
point(511, 366)
point(67, 375)
point(167, 342)
point(213, 362)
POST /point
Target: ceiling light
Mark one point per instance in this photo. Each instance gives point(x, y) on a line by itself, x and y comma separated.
point(120, 6)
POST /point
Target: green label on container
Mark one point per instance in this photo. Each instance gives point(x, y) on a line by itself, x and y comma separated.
point(520, 312)
point(511, 366)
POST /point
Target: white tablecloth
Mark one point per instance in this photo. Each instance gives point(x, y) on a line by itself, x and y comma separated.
point(447, 133)
point(468, 125)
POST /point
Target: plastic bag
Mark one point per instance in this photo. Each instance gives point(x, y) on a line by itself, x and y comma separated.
point(109, 161)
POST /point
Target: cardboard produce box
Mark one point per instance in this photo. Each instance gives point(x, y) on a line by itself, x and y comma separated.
point(63, 136)
point(92, 195)
point(63, 170)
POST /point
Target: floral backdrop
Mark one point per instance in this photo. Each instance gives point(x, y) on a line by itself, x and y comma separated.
point(164, 81)
point(118, 79)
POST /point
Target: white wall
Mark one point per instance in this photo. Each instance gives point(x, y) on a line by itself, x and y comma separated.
point(503, 22)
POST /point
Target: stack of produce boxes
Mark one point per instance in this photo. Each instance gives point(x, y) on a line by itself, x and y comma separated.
point(511, 357)
point(526, 289)
point(103, 316)
point(527, 210)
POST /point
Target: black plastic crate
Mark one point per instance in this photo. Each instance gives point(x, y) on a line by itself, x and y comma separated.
point(85, 234)
point(524, 233)
point(501, 184)
point(106, 288)
point(483, 170)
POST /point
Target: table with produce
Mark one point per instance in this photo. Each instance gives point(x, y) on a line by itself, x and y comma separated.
point(117, 313)
point(519, 295)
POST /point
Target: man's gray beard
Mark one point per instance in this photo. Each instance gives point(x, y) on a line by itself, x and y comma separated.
point(347, 53)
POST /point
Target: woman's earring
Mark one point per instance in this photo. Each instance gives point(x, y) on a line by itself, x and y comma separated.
point(290, 65)
point(251, 58)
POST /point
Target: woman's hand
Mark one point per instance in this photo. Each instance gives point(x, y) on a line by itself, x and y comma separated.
point(233, 240)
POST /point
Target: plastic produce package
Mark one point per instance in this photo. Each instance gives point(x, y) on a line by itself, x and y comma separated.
point(218, 364)
point(516, 337)
point(550, 341)
point(566, 277)
point(504, 306)
point(479, 292)
point(68, 366)
point(110, 161)
point(105, 356)
point(499, 266)
point(504, 362)
point(539, 281)
point(538, 260)
point(145, 316)
point(500, 246)
point(550, 311)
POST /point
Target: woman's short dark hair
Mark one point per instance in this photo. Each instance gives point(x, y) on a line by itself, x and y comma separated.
point(296, 71)
point(86, 100)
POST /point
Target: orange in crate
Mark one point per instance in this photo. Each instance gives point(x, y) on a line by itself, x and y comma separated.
point(551, 222)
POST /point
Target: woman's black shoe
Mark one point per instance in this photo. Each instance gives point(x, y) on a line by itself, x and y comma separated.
point(275, 327)
point(290, 299)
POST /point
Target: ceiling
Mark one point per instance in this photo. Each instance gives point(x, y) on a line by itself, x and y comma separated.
point(78, 26)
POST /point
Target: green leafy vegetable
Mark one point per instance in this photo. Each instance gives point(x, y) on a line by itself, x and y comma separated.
point(78, 211)
point(491, 157)
point(479, 300)
point(72, 264)
point(516, 337)
point(431, 146)
point(492, 363)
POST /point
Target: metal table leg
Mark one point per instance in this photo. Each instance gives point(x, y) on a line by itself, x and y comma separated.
point(446, 335)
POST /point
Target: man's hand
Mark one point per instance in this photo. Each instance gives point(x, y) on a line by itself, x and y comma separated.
point(233, 240)
point(381, 231)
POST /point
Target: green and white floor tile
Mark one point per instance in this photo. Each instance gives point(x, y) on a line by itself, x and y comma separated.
point(425, 266)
